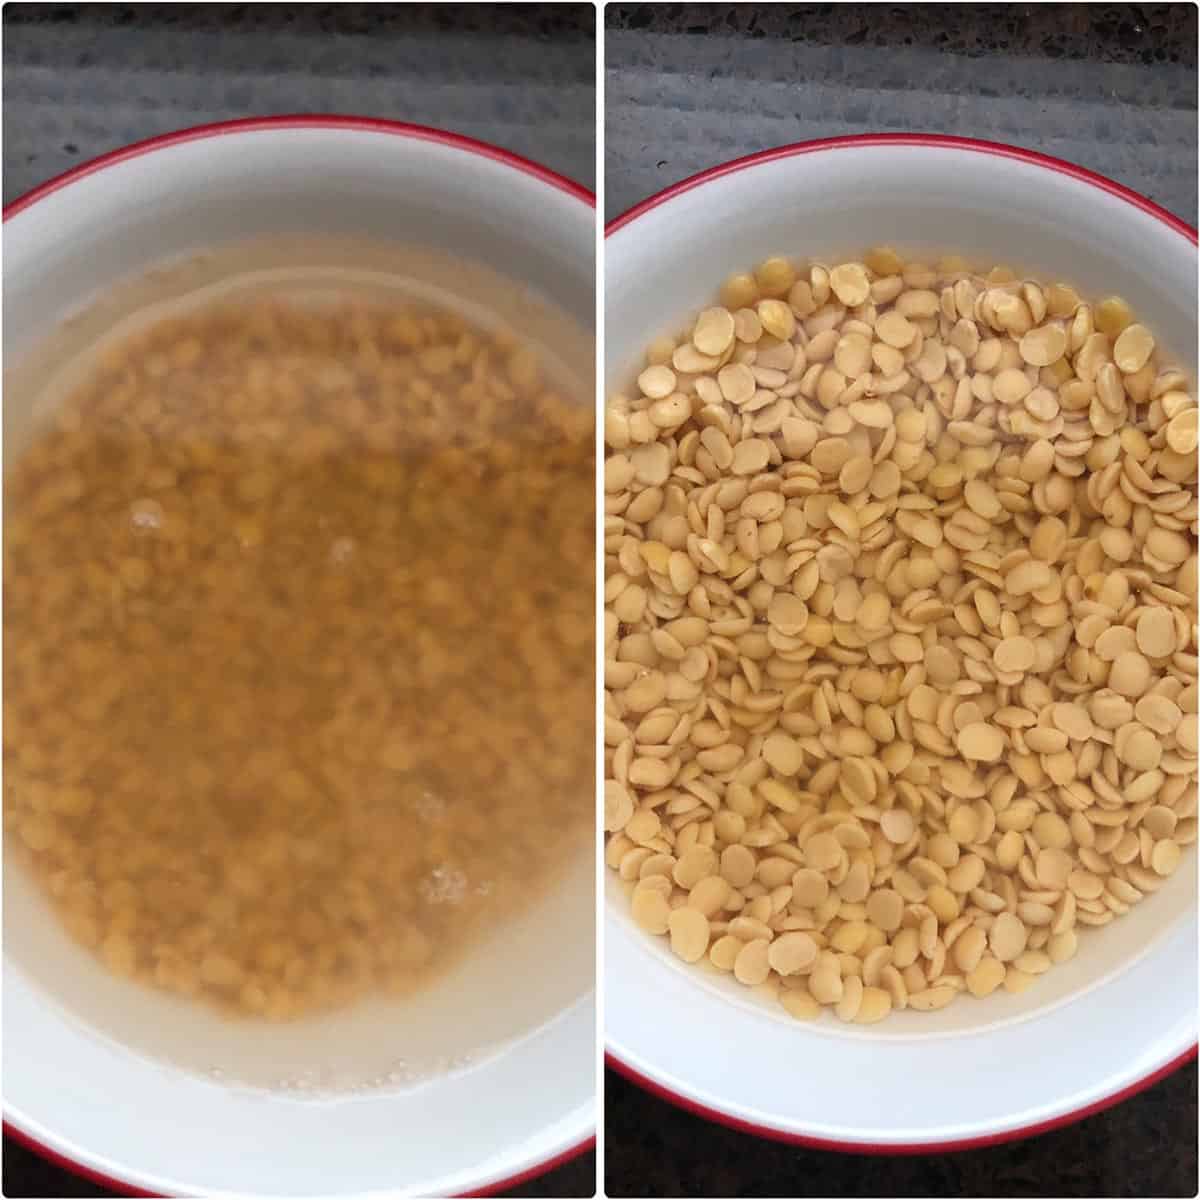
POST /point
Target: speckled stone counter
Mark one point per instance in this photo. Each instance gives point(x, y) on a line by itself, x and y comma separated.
point(83, 79)
point(80, 80)
point(1112, 87)
point(1143, 1147)
point(28, 1174)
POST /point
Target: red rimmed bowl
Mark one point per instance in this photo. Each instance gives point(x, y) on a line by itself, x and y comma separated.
point(1123, 1012)
point(111, 1106)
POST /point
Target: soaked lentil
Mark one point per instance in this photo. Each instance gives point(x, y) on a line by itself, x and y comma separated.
point(298, 648)
point(900, 632)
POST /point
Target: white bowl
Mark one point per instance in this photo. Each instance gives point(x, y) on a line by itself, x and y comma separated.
point(1123, 1012)
point(109, 1106)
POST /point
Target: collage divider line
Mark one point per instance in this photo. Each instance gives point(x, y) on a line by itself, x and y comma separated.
point(598, 8)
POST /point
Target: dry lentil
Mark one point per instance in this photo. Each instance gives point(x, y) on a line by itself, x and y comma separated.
point(941, 532)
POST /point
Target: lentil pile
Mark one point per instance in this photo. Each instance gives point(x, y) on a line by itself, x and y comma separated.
point(298, 648)
point(900, 631)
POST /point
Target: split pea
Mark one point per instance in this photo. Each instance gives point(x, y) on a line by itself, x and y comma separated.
point(301, 588)
point(913, 578)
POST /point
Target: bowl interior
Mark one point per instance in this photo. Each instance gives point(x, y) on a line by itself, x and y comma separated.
point(463, 1085)
point(668, 262)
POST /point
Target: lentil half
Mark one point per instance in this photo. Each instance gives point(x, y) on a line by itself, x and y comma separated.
point(900, 630)
point(298, 648)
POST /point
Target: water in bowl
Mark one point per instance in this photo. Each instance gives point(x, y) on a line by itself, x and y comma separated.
point(298, 666)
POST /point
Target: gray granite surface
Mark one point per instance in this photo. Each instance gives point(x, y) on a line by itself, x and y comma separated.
point(1141, 1148)
point(691, 86)
point(83, 79)
point(80, 80)
point(1129, 33)
point(27, 1174)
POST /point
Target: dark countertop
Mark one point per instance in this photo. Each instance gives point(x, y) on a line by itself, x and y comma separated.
point(1143, 34)
point(28, 1174)
point(1143, 1147)
point(83, 79)
point(1112, 87)
point(80, 80)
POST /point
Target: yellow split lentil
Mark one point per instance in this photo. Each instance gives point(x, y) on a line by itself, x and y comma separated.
point(298, 648)
point(904, 696)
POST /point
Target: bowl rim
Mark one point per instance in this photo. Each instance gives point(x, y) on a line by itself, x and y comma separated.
point(114, 1183)
point(328, 121)
point(870, 1149)
point(936, 141)
point(968, 145)
point(251, 125)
